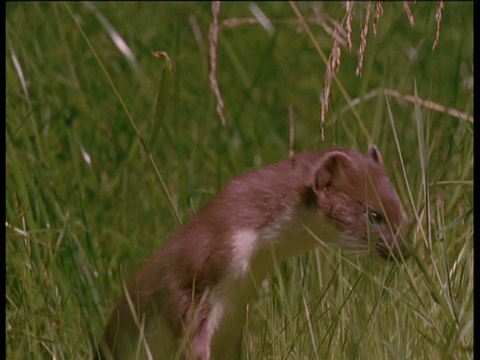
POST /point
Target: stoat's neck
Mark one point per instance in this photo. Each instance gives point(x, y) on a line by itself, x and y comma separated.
point(289, 235)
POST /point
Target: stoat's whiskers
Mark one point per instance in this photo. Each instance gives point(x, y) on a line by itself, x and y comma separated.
point(347, 241)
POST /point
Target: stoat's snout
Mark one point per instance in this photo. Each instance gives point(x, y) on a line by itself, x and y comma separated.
point(394, 249)
point(393, 243)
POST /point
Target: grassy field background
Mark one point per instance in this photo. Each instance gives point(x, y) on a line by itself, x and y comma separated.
point(85, 206)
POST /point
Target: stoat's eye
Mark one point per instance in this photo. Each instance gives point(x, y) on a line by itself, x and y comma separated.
point(374, 217)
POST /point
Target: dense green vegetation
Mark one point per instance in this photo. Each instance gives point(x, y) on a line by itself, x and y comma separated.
point(85, 206)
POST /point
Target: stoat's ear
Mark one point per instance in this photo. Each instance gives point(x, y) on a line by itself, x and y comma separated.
point(334, 168)
point(374, 154)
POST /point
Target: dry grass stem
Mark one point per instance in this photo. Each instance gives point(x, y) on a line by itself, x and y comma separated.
point(332, 68)
point(438, 18)
point(334, 59)
point(431, 105)
point(350, 15)
point(410, 98)
point(213, 61)
point(197, 32)
point(337, 31)
point(407, 9)
point(378, 14)
point(363, 41)
point(292, 130)
point(262, 18)
point(234, 22)
point(159, 54)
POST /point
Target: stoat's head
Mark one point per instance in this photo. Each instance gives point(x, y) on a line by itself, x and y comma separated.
point(354, 192)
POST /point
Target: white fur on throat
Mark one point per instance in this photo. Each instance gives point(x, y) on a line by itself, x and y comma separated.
point(245, 242)
point(286, 237)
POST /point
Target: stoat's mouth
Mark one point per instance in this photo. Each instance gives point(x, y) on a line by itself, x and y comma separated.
point(392, 253)
point(361, 245)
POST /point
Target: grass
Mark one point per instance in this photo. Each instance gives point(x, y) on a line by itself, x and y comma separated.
point(108, 150)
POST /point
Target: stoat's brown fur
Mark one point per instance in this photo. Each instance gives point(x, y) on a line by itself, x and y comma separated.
point(191, 296)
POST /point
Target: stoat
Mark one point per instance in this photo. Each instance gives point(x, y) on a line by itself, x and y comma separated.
point(190, 298)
